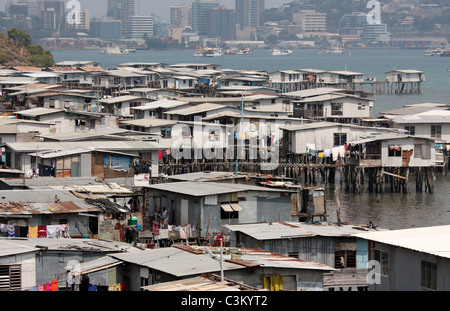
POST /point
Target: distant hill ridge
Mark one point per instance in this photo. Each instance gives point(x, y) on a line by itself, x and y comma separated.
point(16, 50)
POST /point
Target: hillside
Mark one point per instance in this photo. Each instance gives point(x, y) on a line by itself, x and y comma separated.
point(22, 52)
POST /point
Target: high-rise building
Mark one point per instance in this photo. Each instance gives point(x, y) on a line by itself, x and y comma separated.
point(181, 15)
point(311, 21)
point(24, 7)
point(137, 26)
point(12, 9)
point(375, 33)
point(222, 23)
point(83, 22)
point(200, 10)
point(106, 29)
point(121, 10)
point(248, 12)
point(52, 14)
point(352, 24)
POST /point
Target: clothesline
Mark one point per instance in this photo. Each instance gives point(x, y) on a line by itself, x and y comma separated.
point(46, 231)
point(46, 287)
point(172, 231)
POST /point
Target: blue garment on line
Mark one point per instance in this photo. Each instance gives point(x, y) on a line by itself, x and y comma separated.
point(11, 231)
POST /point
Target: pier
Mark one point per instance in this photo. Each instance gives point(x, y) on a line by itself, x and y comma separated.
point(353, 178)
point(377, 87)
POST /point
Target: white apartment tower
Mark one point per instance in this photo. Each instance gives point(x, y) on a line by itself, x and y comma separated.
point(137, 26)
point(311, 21)
point(84, 21)
point(181, 15)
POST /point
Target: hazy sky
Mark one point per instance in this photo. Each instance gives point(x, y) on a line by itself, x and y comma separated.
point(97, 8)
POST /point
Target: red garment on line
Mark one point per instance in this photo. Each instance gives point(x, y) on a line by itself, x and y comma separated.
point(42, 231)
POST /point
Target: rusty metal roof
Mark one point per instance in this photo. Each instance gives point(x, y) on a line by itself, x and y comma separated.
point(20, 208)
point(251, 257)
point(38, 202)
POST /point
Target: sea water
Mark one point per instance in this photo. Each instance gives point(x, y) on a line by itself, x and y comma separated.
point(387, 210)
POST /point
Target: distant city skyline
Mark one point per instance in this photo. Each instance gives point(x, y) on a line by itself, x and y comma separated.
point(97, 8)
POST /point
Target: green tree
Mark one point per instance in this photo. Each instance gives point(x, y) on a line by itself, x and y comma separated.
point(43, 60)
point(19, 37)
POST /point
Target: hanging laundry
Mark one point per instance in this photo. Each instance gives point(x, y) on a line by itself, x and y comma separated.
point(155, 228)
point(55, 285)
point(182, 233)
point(327, 153)
point(160, 155)
point(342, 151)
point(33, 232)
point(163, 233)
point(114, 288)
point(23, 231)
point(42, 231)
point(3, 228)
point(335, 153)
point(51, 231)
point(321, 155)
point(60, 230)
point(11, 231)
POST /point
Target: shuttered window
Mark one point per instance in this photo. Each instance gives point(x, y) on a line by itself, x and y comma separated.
point(345, 259)
point(10, 277)
point(428, 274)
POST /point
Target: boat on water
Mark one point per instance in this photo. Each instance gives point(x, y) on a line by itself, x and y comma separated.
point(280, 52)
point(239, 51)
point(213, 52)
point(333, 50)
point(207, 52)
point(445, 53)
point(115, 51)
point(337, 50)
point(433, 52)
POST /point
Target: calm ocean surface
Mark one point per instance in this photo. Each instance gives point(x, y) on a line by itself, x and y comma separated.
point(392, 211)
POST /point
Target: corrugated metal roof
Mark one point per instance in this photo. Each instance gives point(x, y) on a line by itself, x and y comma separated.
point(197, 188)
point(121, 99)
point(205, 176)
point(175, 261)
point(268, 259)
point(347, 73)
point(196, 109)
point(103, 145)
point(149, 122)
point(432, 240)
point(312, 92)
point(163, 103)
point(285, 230)
point(96, 265)
point(196, 284)
point(35, 112)
point(10, 247)
point(325, 97)
point(407, 71)
point(36, 202)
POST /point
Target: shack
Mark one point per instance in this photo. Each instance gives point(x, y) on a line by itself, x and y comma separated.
point(413, 259)
point(324, 243)
point(253, 267)
point(211, 205)
point(29, 264)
